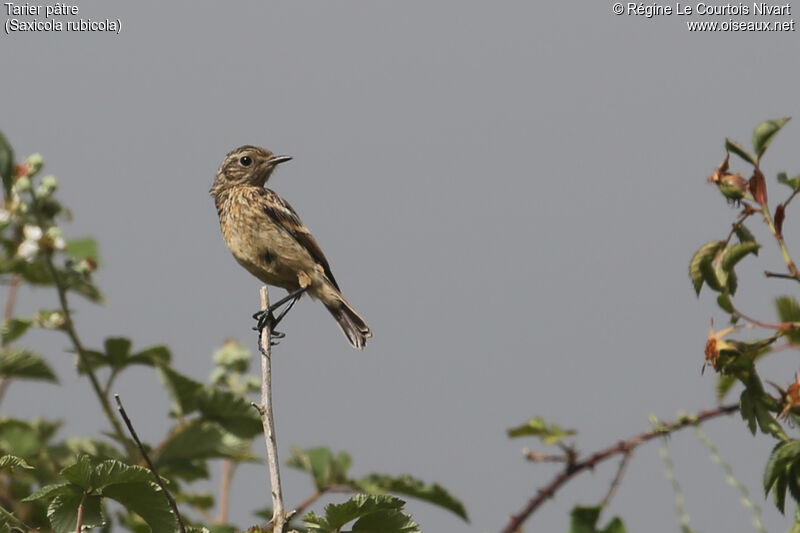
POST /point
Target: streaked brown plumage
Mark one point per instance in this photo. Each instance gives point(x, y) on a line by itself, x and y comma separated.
point(266, 236)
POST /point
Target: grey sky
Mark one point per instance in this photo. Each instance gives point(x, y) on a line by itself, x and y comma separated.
point(509, 192)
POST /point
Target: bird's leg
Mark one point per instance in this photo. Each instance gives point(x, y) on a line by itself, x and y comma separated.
point(266, 316)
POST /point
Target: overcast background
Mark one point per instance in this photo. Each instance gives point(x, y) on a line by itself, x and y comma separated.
point(509, 193)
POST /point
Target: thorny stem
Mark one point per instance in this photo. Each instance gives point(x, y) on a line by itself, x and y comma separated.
point(79, 521)
point(623, 447)
point(69, 328)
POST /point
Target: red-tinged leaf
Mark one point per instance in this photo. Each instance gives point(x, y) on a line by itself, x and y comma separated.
point(758, 187)
point(779, 216)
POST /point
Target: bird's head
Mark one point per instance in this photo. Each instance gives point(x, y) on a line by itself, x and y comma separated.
point(246, 165)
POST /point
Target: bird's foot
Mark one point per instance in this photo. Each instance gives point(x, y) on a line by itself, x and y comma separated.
point(266, 317)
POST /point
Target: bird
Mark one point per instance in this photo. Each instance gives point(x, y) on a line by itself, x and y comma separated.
point(267, 237)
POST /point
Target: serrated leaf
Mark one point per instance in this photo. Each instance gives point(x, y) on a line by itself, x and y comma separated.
point(706, 252)
point(764, 133)
point(537, 427)
point(14, 328)
point(6, 165)
point(182, 389)
point(360, 505)
point(737, 149)
point(112, 472)
point(231, 411)
point(388, 521)
point(148, 501)
point(414, 488)
point(320, 462)
point(736, 253)
point(10, 462)
point(85, 248)
point(788, 309)
point(779, 493)
point(23, 364)
point(51, 491)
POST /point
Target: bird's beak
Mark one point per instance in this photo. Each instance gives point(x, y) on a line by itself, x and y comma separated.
point(278, 159)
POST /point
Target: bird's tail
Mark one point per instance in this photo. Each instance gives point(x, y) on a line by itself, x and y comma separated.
point(352, 325)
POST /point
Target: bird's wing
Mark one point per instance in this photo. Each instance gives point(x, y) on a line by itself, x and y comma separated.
point(285, 217)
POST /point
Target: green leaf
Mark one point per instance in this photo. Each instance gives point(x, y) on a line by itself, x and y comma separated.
point(63, 512)
point(735, 148)
point(409, 486)
point(14, 328)
point(182, 389)
point(359, 507)
point(793, 183)
point(725, 383)
point(320, 462)
point(203, 501)
point(23, 364)
point(80, 473)
point(117, 349)
point(153, 356)
point(200, 440)
point(767, 422)
point(85, 248)
point(537, 427)
point(10, 462)
point(148, 501)
point(707, 252)
point(584, 520)
point(112, 472)
point(48, 492)
point(764, 133)
point(710, 275)
point(788, 309)
point(747, 409)
point(783, 456)
point(724, 299)
point(6, 165)
point(744, 234)
point(736, 253)
point(231, 411)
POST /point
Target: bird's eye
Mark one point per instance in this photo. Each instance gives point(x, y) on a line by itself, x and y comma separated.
point(245, 161)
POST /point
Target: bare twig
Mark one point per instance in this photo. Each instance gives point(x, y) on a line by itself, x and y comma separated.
point(173, 505)
point(626, 456)
point(279, 517)
point(622, 447)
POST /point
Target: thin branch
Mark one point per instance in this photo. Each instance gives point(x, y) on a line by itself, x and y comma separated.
point(612, 489)
point(279, 516)
point(69, 328)
point(622, 447)
point(173, 505)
